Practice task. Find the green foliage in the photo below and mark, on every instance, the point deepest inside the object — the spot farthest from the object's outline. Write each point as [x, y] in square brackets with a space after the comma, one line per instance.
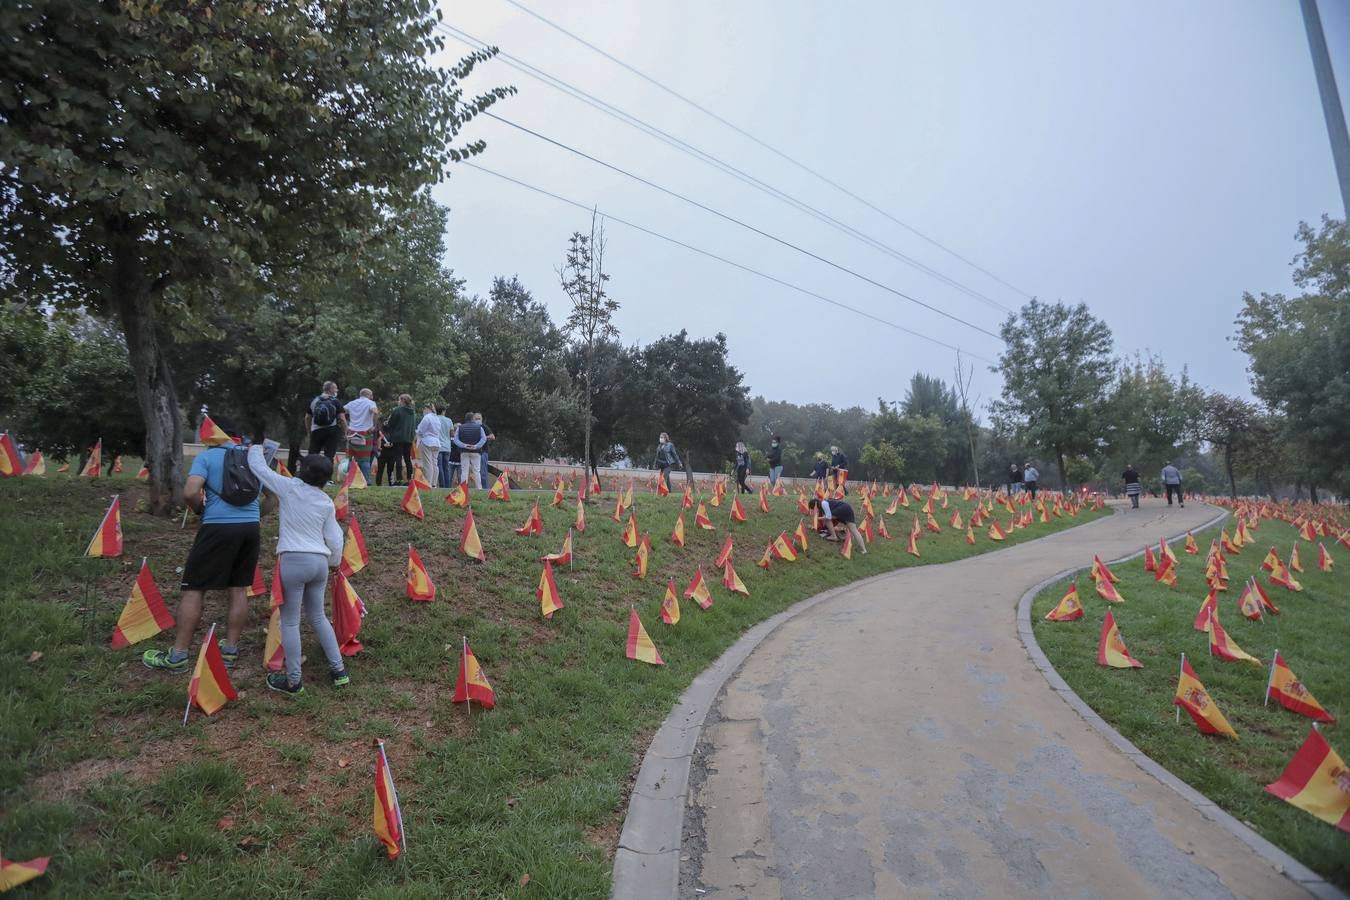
[807, 429]
[1151, 418]
[882, 457]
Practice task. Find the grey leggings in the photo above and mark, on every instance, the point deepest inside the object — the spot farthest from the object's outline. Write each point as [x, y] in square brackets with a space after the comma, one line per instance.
[304, 579]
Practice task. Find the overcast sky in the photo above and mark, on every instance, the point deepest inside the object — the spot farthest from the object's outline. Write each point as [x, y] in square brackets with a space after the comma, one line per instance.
[1151, 159]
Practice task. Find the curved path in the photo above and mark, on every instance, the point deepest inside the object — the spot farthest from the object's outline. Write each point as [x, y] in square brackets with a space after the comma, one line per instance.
[897, 740]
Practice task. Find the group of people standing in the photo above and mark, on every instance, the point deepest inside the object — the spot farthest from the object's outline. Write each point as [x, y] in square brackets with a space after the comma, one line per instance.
[381, 447]
[1025, 477]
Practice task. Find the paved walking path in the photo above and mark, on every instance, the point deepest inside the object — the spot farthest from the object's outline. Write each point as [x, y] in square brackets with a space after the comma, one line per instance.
[897, 741]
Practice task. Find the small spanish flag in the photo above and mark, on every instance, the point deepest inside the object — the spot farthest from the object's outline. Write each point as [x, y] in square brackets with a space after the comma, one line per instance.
[701, 517]
[670, 605]
[211, 434]
[970, 535]
[38, 466]
[1191, 546]
[274, 654]
[732, 582]
[1295, 562]
[419, 480]
[418, 585]
[342, 504]
[846, 551]
[1224, 647]
[644, 552]
[640, 646]
[1068, 608]
[800, 535]
[469, 544]
[1325, 563]
[412, 502]
[13, 874]
[677, 536]
[387, 818]
[145, 614]
[1107, 591]
[558, 495]
[1192, 697]
[550, 601]
[354, 555]
[1111, 649]
[472, 685]
[10, 464]
[913, 545]
[534, 524]
[782, 548]
[356, 479]
[661, 489]
[1208, 609]
[1315, 782]
[724, 555]
[1100, 572]
[698, 589]
[210, 687]
[617, 515]
[630, 532]
[94, 464]
[996, 533]
[1150, 564]
[501, 489]
[1263, 597]
[866, 530]
[1249, 604]
[565, 554]
[348, 611]
[580, 524]
[1285, 687]
[737, 511]
[258, 587]
[687, 502]
[459, 495]
[956, 520]
[107, 540]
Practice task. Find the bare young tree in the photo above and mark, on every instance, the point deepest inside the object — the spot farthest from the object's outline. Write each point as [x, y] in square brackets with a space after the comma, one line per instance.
[583, 279]
[963, 380]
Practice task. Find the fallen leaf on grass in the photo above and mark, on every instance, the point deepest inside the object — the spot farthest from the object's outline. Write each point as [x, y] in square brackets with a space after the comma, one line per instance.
[525, 879]
[343, 762]
[35, 656]
[182, 857]
[225, 824]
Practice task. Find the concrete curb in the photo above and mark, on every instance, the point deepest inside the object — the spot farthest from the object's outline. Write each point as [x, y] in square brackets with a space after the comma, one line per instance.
[1282, 862]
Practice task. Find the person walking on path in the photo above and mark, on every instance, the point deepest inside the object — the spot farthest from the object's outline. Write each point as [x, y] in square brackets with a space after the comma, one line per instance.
[429, 443]
[443, 474]
[775, 460]
[470, 438]
[224, 553]
[361, 414]
[667, 458]
[1014, 478]
[1132, 487]
[402, 428]
[483, 454]
[836, 514]
[742, 467]
[309, 544]
[1171, 480]
[1031, 476]
[325, 421]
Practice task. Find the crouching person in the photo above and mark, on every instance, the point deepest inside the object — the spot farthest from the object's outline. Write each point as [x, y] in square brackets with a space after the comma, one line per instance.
[837, 514]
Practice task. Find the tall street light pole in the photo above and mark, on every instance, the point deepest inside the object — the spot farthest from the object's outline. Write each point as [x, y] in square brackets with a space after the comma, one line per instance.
[1331, 100]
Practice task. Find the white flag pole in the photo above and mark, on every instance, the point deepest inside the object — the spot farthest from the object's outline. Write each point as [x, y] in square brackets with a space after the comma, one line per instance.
[464, 664]
[1271, 680]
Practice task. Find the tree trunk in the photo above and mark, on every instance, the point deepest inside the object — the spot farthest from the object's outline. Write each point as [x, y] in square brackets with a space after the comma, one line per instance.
[590, 360]
[1312, 492]
[1063, 475]
[154, 382]
[1228, 466]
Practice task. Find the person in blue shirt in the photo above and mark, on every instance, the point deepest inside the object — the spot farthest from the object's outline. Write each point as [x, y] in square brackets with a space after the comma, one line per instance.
[223, 557]
[742, 467]
[819, 470]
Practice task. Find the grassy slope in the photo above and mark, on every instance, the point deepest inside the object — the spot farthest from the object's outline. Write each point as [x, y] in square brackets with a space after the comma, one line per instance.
[1156, 625]
[272, 796]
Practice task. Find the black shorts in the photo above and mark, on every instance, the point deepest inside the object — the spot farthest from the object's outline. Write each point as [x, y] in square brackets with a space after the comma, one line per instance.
[222, 556]
[843, 516]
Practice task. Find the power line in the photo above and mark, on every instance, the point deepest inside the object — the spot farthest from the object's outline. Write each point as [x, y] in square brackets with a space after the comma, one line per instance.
[704, 156]
[767, 146]
[730, 218]
[722, 259]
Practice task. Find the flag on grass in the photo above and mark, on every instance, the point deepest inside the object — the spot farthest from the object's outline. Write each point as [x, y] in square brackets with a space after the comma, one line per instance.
[1295, 563]
[459, 495]
[763, 499]
[10, 464]
[724, 555]
[1324, 561]
[1107, 591]
[1285, 687]
[354, 555]
[258, 587]
[677, 536]
[970, 534]
[1223, 646]
[107, 540]
[145, 614]
[342, 504]
[418, 585]
[644, 552]
[1191, 546]
[93, 466]
[580, 523]
[1249, 604]
[846, 551]
[1150, 565]
[412, 502]
[670, 605]
[732, 582]
[500, 490]
[913, 545]
[558, 495]
[688, 500]
[1285, 579]
[1100, 572]
[550, 601]
[698, 589]
[419, 480]
[701, 517]
[1263, 597]
[1167, 571]
[211, 434]
[356, 479]
[13, 874]
[38, 466]
[274, 654]
[565, 554]
[1315, 782]
[387, 818]
[800, 535]
[640, 646]
[1272, 560]
[348, 611]
[1192, 697]
[737, 511]
[782, 548]
[210, 687]
[630, 532]
[1208, 609]
[766, 558]
[469, 544]
[996, 532]
[534, 524]
[1068, 608]
[472, 684]
[1111, 649]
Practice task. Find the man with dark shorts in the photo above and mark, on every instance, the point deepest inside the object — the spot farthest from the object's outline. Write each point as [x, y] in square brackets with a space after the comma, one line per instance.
[222, 557]
[838, 513]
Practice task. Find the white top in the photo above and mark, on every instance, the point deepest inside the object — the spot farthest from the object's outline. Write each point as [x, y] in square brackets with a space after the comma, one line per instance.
[308, 521]
[360, 414]
[429, 431]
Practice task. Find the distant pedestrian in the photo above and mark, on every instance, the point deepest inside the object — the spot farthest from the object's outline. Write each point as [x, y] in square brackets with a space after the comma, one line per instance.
[1171, 480]
[667, 458]
[402, 429]
[483, 454]
[325, 422]
[386, 454]
[775, 460]
[839, 468]
[1031, 476]
[742, 467]
[443, 459]
[470, 438]
[429, 443]
[836, 514]
[1014, 478]
[309, 543]
[361, 415]
[820, 470]
[1132, 486]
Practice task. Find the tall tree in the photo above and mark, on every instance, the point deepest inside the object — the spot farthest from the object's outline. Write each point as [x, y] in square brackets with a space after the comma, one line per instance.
[583, 280]
[1056, 367]
[1227, 426]
[162, 162]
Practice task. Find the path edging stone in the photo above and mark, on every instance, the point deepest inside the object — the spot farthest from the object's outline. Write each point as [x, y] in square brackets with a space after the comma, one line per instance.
[1281, 861]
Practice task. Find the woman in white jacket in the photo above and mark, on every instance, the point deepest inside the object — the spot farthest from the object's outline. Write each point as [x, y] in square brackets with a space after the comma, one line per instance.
[309, 543]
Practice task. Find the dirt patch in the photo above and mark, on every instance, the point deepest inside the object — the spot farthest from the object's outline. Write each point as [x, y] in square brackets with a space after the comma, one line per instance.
[71, 780]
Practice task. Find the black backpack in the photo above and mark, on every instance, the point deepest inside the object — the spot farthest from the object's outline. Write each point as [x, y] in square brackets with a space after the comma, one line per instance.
[324, 411]
[238, 485]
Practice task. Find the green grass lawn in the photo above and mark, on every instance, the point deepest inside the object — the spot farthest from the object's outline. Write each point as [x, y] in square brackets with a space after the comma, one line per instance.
[1156, 624]
[272, 796]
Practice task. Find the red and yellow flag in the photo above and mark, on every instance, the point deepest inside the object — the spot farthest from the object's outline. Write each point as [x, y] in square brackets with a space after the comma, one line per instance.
[274, 654]
[1150, 564]
[145, 614]
[500, 490]
[211, 434]
[688, 501]
[670, 605]
[342, 504]
[1249, 604]
[701, 517]
[630, 532]
[37, 465]
[640, 646]
[580, 523]
[1192, 697]
[550, 601]
[732, 582]
[782, 548]
[698, 589]
[1111, 649]
[107, 540]
[459, 495]
[800, 535]
[1107, 591]
[956, 520]
[970, 534]
[913, 545]
[418, 585]
[472, 685]
[1317, 781]
[1224, 647]
[766, 558]
[469, 544]
[1283, 577]
[866, 529]
[1166, 572]
[1295, 562]
[558, 495]
[763, 499]
[677, 536]
[1285, 687]
[348, 611]
[724, 555]
[737, 511]
[661, 489]
[13, 874]
[565, 554]
[356, 479]
[387, 817]
[846, 551]
[644, 552]
[258, 587]
[1100, 571]
[996, 533]
[354, 555]
[1325, 563]
[1208, 610]
[1068, 608]
[617, 516]
[210, 687]
[93, 466]
[1191, 546]
[10, 464]
[412, 502]
[534, 524]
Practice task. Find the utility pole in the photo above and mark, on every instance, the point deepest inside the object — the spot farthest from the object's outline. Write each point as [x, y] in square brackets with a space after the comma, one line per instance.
[1331, 99]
